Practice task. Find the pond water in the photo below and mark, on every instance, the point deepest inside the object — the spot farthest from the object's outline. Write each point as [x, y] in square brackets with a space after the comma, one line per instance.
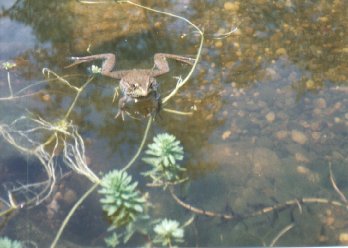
[267, 142]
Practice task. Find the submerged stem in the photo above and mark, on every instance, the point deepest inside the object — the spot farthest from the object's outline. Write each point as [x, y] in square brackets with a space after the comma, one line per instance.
[140, 147]
[79, 91]
[70, 214]
[8, 211]
[177, 112]
[9, 84]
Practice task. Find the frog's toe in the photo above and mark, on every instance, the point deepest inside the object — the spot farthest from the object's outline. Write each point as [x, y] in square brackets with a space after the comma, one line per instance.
[188, 60]
[120, 113]
[75, 61]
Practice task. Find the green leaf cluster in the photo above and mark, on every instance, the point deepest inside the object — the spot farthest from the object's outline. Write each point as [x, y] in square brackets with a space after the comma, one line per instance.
[95, 69]
[8, 243]
[112, 240]
[121, 201]
[168, 232]
[163, 155]
[8, 65]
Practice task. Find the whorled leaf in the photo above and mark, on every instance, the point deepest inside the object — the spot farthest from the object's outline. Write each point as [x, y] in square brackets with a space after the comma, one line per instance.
[168, 232]
[8, 243]
[163, 155]
[121, 201]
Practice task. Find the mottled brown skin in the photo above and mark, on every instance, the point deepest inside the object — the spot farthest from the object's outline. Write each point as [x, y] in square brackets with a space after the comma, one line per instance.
[134, 83]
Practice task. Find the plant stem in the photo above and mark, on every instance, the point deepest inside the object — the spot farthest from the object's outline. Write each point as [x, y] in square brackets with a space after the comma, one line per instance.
[282, 232]
[79, 91]
[8, 211]
[9, 84]
[177, 112]
[140, 147]
[70, 214]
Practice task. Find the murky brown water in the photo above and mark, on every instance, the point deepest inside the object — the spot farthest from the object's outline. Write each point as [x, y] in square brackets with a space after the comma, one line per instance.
[271, 113]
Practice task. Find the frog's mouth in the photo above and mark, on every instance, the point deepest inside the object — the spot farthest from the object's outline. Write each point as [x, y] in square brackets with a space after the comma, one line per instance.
[139, 92]
[152, 96]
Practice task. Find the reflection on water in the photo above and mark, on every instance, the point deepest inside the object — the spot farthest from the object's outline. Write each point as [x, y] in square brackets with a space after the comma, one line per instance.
[271, 112]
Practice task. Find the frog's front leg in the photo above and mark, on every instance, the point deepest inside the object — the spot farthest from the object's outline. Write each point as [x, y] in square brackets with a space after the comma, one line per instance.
[161, 63]
[109, 61]
[121, 106]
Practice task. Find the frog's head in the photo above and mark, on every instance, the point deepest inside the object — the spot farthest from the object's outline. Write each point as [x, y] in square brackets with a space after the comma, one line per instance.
[139, 86]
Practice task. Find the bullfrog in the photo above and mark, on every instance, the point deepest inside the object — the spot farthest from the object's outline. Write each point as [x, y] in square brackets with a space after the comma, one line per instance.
[137, 83]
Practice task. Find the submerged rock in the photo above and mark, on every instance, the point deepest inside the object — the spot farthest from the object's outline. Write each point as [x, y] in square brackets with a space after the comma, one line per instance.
[265, 161]
[299, 137]
[270, 117]
[343, 238]
[316, 136]
[282, 134]
[320, 103]
[231, 6]
[300, 157]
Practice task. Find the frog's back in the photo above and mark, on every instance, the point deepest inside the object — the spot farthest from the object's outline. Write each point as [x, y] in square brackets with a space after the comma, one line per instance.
[137, 76]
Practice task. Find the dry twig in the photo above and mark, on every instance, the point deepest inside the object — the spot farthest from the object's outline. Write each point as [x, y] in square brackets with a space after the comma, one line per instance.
[265, 210]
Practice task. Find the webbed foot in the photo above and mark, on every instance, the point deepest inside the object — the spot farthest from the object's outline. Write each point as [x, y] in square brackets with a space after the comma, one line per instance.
[120, 113]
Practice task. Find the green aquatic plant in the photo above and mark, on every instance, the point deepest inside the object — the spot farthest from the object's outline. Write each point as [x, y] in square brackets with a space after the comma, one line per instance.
[121, 201]
[168, 232]
[112, 240]
[163, 155]
[95, 69]
[8, 65]
[8, 243]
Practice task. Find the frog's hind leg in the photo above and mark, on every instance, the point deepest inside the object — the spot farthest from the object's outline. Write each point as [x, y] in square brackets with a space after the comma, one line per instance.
[108, 63]
[183, 59]
[161, 62]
